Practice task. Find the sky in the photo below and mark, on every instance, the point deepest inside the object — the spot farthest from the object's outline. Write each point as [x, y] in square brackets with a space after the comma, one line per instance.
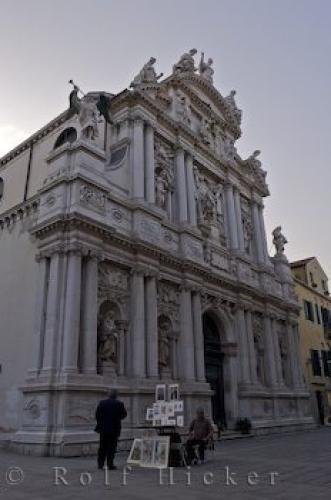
[275, 53]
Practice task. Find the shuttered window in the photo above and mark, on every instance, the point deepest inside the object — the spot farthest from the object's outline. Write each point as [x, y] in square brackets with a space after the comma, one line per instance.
[316, 363]
[308, 308]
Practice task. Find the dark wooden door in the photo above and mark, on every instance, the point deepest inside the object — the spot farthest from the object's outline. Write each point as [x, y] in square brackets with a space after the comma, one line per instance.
[214, 369]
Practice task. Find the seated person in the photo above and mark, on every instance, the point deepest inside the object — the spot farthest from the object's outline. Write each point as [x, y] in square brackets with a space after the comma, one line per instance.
[201, 431]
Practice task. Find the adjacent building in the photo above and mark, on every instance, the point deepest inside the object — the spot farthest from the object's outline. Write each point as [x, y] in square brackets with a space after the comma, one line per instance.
[133, 251]
[311, 285]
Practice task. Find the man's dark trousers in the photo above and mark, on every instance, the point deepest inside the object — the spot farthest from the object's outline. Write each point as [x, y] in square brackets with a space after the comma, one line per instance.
[190, 452]
[107, 449]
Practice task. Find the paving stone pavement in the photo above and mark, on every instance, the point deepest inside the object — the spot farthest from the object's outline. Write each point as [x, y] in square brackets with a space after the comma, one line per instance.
[302, 461]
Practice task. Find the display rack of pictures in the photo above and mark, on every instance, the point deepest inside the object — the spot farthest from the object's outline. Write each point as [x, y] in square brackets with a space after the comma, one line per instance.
[150, 452]
[168, 409]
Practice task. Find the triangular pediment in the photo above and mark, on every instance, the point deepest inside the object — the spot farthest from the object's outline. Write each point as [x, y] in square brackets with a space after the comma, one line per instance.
[206, 100]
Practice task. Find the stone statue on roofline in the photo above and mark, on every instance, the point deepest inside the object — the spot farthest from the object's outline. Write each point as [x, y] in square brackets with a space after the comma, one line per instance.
[147, 75]
[279, 241]
[185, 63]
[89, 108]
[231, 103]
[205, 68]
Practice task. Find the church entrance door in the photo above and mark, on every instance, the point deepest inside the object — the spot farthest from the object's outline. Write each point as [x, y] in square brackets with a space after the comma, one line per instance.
[214, 368]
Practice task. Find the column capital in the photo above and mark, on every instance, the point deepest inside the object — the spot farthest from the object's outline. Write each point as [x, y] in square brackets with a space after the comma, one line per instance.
[138, 120]
[59, 248]
[178, 149]
[144, 270]
[228, 184]
[150, 124]
[95, 254]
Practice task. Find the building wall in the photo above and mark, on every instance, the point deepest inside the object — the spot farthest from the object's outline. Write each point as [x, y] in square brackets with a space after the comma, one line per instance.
[169, 224]
[313, 335]
[17, 297]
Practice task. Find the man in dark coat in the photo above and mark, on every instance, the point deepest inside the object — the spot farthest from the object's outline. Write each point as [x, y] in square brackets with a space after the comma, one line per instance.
[109, 414]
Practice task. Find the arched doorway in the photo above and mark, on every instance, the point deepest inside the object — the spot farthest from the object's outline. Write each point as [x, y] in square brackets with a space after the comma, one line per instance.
[214, 368]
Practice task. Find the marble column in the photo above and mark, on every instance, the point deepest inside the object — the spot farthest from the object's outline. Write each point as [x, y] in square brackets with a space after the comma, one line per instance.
[237, 206]
[191, 199]
[51, 343]
[88, 345]
[270, 352]
[40, 312]
[72, 312]
[138, 170]
[138, 355]
[181, 191]
[243, 346]
[231, 216]
[122, 327]
[186, 340]
[152, 328]
[198, 338]
[264, 237]
[251, 347]
[257, 234]
[149, 161]
[278, 359]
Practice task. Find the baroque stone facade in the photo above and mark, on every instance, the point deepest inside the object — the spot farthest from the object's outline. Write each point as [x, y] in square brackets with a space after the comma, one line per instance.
[153, 265]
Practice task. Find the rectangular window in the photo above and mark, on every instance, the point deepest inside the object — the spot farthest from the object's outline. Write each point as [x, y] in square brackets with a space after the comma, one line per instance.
[312, 281]
[308, 308]
[316, 363]
[329, 363]
[325, 363]
[326, 318]
[317, 313]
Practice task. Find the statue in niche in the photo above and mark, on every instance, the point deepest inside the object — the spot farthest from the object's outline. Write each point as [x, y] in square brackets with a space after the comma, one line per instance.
[206, 202]
[205, 68]
[163, 178]
[165, 330]
[205, 131]
[279, 240]
[182, 108]
[147, 74]
[283, 355]
[161, 189]
[108, 338]
[248, 233]
[218, 193]
[233, 106]
[228, 148]
[259, 353]
[185, 63]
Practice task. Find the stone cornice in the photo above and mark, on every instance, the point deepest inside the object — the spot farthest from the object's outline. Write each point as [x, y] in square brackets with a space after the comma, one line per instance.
[179, 130]
[139, 247]
[19, 212]
[213, 94]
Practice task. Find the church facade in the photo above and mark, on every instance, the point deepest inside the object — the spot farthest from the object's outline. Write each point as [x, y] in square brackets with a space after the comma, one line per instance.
[133, 252]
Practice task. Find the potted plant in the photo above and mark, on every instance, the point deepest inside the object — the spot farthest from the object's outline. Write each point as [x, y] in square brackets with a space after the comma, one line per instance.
[244, 425]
